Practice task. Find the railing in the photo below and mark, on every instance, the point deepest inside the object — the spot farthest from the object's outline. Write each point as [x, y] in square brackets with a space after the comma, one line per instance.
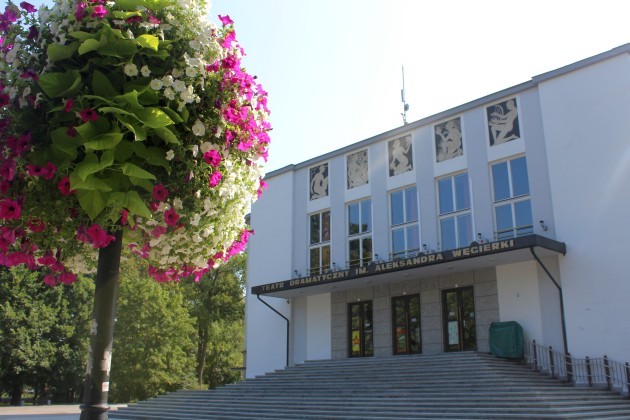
[592, 372]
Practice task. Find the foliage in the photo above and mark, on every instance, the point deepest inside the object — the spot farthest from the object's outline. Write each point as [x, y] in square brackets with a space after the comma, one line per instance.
[43, 337]
[134, 115]
[217, 304]
[154, 340]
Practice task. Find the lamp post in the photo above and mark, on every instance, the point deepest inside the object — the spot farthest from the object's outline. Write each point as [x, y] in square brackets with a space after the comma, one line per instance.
[96, 386]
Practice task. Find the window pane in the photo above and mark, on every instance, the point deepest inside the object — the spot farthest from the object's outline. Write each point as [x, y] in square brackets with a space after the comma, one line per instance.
[446, 195]
[326, 226]
[413, 238]
[462, 197]
[314, 260]
[354, 252]
[398, 216]
[448, 234]
[520, 183]
[315, 229]
[464, 230]
[398, 241]
[367, 250]
[523, 215]
[366, 216]
[326, 257]
[353, 219]
[504, 220]
[411, 204]
[501, 181]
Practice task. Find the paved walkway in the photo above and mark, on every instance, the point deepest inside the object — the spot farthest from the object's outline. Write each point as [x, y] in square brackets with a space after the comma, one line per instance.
[41, 412]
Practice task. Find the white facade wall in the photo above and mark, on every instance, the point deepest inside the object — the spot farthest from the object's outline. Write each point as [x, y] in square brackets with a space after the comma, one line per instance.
[586, 118]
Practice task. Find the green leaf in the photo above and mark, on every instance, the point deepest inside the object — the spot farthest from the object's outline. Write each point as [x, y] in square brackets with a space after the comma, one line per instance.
[93, 129]
[154, 117]
[89, 45]
[58, 52]
[89, 166]
[123, 151]
[133, 126]
[148, 97]
[115, 110]
[148, 41]
[167, 135]
[56, 85]
[104, 141]
[102, 86]
[118, 199]
[129, 98]
[152, 5]
[107, 158]
[64, 143]
[113, 46]
[173, 114]
[117, 14]
[161, 54]
[142, 183]
[93, 202]
[91, 183]
[82, 36]
[130, 169]
[136, 205]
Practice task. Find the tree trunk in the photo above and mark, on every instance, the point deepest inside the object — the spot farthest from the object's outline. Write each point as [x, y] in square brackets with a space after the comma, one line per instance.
[202, 350]
[96, 387]
[16, 394]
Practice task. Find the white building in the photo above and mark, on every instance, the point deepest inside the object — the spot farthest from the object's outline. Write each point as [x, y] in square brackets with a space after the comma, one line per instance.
[417, 239]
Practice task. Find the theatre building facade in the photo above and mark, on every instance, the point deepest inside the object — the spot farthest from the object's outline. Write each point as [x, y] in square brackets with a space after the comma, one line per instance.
[512, 207]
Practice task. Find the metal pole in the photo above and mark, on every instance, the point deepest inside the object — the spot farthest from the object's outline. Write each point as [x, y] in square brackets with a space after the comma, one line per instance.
[96, 387]
[285, 318]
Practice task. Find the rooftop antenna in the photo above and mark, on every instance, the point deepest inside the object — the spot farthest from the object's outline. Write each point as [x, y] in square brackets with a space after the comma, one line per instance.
[402, 97]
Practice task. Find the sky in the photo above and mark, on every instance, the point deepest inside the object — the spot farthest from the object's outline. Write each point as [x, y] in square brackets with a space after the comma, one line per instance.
[333, 68]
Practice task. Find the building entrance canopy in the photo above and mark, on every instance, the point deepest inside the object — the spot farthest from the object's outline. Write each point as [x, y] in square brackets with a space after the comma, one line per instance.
[477, 255]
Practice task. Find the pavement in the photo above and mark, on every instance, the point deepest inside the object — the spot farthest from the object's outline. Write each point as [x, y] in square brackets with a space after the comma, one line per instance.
[45, 412]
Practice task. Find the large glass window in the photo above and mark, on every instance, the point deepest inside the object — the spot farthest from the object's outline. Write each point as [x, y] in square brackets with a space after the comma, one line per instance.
[455, 215]
[359, 233]
[512, 205]
[405, 235]
[319, 250]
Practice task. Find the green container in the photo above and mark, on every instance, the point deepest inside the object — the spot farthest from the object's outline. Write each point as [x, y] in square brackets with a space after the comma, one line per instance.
[506, 339]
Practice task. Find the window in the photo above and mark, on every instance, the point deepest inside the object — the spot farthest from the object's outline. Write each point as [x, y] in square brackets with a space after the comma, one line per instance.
[319, 258]
[403, 205]
[512, 205]
[360, 233]
[455, 216]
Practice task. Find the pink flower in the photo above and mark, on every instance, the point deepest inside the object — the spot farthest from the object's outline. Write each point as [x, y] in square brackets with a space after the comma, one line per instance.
[123, 217]
[99, 237]
[29, 74]
[10, 209]
[36, 225]
[80, 14]
[88, 114]
[212, 157]
[4, 99]
[99, 12]
[215, 178]
[158, 231]
[160, 193]
[34, 170]
[28, 7]
[64, 186]
[32, 32]
[244, 146]
[49, 280]
[49, 171]
[171, 217]
[225, 20]
[69, 105]
[134, 19]
[71, 132]
[67, 278]
[48, 259]
[7, 170]
[154, 20]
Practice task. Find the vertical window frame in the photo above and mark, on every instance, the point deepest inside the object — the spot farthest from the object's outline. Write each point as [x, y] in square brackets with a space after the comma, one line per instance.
[459, 214]
[361, 237]
[408, 223]
[512, 200]
[321, 245]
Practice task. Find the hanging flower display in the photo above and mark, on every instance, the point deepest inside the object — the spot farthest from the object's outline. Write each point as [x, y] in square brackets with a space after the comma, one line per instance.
[127, 114]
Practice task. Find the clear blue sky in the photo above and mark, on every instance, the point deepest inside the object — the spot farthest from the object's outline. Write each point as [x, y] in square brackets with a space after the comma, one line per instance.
[333, 67]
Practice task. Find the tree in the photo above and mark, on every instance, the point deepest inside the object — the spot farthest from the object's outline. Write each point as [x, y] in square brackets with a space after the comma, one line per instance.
[217, 304]
[42, 333]
[154, 340]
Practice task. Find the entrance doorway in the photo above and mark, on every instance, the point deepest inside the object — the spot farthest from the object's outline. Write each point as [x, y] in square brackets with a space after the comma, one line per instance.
[458, 315]
[406, 324]
[361, 329]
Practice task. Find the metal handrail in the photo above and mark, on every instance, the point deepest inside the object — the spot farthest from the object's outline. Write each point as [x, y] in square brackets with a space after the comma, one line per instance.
[592, 372]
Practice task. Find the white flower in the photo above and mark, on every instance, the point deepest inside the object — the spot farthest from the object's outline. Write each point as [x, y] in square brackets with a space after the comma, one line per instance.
[156, 84]
[195, 150]
[145, 71]
[179, 85]
[205, 146]
[194, 44]
[191, 71]
[177, 204]
[198, 128]
[168, 92]
[177, 73]
[170, 155]
[167, 80]
[130, 70]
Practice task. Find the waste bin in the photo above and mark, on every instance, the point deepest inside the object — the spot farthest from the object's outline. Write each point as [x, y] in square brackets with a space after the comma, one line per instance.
[506, 340]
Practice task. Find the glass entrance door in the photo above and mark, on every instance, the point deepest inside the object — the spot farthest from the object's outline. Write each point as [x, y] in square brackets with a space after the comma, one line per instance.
[458, 308]
[406, 324]
[361, 334]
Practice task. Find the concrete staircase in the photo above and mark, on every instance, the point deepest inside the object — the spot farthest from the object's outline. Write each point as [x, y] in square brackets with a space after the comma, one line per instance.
[445, 386]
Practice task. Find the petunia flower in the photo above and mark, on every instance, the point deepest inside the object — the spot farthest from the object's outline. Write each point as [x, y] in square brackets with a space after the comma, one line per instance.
[99, 12]
[68, 104]
[64, 186]
[225, 20]
[160, 193]
[215, 178]
[171, 217]
[10, 210]
[28, 7]
[49, 280]
[80, 13]
[88, 114]
[212, 158]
